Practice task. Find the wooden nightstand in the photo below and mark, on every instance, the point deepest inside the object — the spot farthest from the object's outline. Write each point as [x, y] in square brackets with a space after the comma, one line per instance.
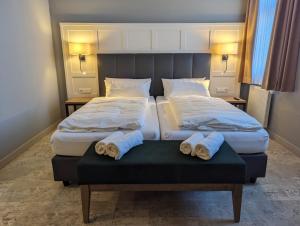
[236, 101]
[76, 101]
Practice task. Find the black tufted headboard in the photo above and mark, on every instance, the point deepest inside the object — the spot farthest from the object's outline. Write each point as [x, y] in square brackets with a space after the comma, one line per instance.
[154, 66]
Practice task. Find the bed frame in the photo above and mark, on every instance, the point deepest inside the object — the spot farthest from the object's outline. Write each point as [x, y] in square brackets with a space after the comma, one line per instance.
[155, 66]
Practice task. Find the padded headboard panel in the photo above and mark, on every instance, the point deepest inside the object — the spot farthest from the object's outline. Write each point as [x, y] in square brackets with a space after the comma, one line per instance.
[154, 66]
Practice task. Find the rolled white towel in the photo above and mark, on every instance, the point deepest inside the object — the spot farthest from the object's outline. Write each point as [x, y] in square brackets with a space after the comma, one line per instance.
[121, 145]
[101, 146]
[187, 146]
[209, 146]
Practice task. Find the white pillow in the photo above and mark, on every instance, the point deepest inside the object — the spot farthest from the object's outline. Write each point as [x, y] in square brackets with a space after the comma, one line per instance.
[185, 87]
[168, 83]
[123, 87]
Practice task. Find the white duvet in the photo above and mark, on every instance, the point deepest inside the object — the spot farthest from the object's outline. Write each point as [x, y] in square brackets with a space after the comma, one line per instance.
[209, 113]
[107, 114]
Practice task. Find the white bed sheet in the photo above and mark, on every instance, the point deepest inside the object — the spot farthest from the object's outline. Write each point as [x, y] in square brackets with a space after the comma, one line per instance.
[75, 144]
[241, 142]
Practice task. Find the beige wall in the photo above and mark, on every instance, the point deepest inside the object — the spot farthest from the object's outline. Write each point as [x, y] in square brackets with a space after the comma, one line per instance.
[285, 115]
[28, 80]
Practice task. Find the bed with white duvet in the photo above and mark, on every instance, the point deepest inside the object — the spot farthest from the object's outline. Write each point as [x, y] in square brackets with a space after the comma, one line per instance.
[104, 114]
[179, 122]
[86, 125]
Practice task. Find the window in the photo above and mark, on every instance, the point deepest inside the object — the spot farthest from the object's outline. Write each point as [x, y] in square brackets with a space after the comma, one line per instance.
[265, 18]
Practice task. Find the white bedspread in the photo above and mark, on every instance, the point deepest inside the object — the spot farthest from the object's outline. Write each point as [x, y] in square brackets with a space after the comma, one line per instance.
[107, 114]
[209, 113]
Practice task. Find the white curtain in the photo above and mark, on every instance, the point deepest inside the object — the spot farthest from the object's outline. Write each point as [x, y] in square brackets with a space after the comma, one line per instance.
[265, 18]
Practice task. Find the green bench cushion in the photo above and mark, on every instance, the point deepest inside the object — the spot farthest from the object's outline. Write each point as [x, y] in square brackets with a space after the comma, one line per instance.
[161, 162]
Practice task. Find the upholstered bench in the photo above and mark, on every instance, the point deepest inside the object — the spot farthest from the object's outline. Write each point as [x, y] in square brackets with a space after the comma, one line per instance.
[160, 166]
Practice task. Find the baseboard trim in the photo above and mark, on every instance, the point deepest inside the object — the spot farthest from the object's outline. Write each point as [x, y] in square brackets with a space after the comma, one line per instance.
[12, 155]
[295, 149]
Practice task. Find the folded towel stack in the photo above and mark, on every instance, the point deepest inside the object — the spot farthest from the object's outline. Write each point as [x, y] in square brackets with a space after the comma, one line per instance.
[101, 146]
[118, 144]
[187, 146]
[209, 146]
[202, 147]
[123, 144]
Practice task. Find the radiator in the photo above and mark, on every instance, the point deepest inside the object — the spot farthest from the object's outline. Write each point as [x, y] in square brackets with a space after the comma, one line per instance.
[259, 104]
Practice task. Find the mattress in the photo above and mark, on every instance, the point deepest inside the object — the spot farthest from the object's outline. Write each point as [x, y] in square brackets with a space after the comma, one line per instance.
[75, 144]
[241, 142]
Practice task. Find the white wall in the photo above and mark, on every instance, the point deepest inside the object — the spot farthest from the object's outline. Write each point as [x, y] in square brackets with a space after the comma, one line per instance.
[28, 80]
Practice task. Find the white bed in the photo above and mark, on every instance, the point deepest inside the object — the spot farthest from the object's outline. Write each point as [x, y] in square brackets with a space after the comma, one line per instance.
[241, 142]
[75, 144]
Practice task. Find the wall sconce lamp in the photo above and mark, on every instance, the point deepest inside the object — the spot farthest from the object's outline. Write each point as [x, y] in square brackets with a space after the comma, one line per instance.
[81, 50]
[225, 49]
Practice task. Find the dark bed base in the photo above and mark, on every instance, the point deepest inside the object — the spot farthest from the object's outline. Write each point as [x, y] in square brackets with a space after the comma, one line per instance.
[65, 167]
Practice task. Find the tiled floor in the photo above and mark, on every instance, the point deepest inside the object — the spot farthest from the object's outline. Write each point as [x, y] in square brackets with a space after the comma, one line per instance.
[29, 196]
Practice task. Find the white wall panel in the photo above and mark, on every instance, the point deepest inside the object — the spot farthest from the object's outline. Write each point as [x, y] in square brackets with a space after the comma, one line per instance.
[196, 40]
[151, 38]
[223, 86]
[166, 40]
[80, 33]
[138, 40]
[85, 86]
[89, 66]
[110, 40]
[228, 80]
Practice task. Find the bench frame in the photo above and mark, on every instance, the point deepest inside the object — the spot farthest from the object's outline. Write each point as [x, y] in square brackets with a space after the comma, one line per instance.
[236, 189]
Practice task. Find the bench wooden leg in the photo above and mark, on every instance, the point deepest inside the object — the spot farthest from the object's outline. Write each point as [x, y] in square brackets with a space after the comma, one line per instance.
[85, 200]
[237, 194]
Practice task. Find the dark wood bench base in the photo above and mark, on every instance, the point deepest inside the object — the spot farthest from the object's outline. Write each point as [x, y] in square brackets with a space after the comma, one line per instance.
[236, 189]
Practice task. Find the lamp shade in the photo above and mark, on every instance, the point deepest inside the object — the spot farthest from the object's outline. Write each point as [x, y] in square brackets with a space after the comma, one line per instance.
[80, 48]
[225, 48]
